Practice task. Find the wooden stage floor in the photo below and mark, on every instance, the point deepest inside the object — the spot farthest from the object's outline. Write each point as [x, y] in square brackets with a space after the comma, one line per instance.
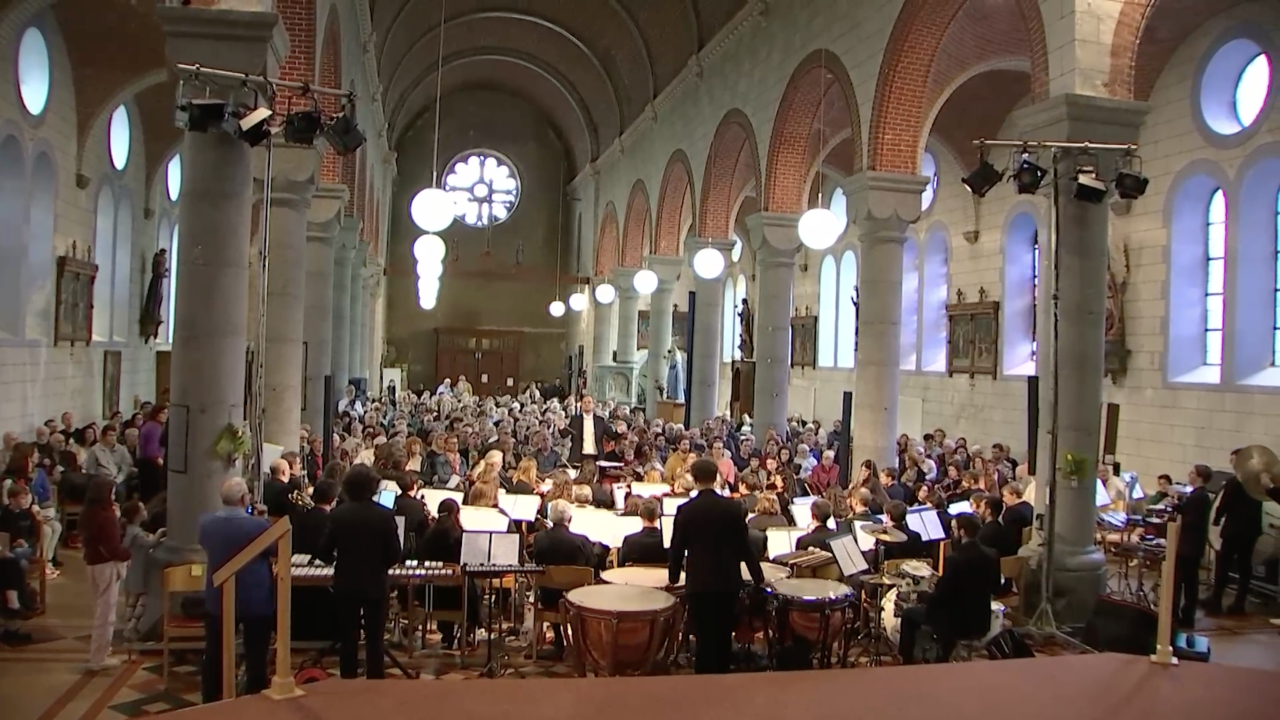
[1070, 687]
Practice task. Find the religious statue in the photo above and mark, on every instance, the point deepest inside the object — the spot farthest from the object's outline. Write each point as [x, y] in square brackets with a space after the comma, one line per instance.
[674, 389]
[1115, 353]
[153, 302]
[748, 325]
[857, 315]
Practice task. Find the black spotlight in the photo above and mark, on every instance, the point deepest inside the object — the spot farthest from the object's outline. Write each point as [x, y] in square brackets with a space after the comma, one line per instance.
[343, 135]
[1130, 184]
[1089, 187]
[1029, 177]
[985, 177]
[250, 124]
[200, 115]
[301, 127]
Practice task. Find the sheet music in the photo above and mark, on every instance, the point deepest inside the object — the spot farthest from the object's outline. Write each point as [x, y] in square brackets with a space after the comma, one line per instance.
[848, 555]
[504, 548]
[454, 481]
[619, 497]
[802, 514]
[1101, 497]
[671, 504]
[475, 548]
[645, 490]
[432, 497]
[668, 527]
[781, 541]
[603, 526]
[522, 508]
[866, 543]
[915, 522]
[481, 519]
[960, 508]
[400, 527]
[933, 526]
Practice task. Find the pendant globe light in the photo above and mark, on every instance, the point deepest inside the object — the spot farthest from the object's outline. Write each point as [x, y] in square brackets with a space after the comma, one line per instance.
[578, 301]
[556, 308]
[645, 282]
[605, 293]
[708, 263]
[433, 209]
[819, 228]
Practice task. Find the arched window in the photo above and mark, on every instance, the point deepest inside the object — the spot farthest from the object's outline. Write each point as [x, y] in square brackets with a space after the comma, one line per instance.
[847, 328]
[1197, 213]
[739, 295]
[120, 278]
[828, 312]
[1018, 306]
[1215, 287]
[171, 293]
[928, 168]
[33, 71]
[13, 217]
[167, 238]
[104, 235]
[910, 303]
[933, 299]
[40, 230]
[484, 186]
[728, 321]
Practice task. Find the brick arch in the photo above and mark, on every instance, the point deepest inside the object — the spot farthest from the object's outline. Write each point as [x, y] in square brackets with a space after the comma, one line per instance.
[1147, 34]
[636, 227]
[933, 43]
[334, 169]
[817, 108]
[607, 242]
[675, 202]
[733, 168]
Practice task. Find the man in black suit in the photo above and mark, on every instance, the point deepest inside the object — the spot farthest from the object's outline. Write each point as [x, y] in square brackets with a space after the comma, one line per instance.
[560, 546]
[913, 547]
[313, 606]
[995, 535]
[1240, 515]
[960, 605]
[279, 486]
[1018, 514]
[819, 535]
[409, 507]
[587, 431]
[712, 531]
[363, 536]
[1194, 509]
[645, 547]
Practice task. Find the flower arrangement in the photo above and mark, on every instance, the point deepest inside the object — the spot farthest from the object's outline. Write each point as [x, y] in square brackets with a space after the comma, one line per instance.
[232, 443]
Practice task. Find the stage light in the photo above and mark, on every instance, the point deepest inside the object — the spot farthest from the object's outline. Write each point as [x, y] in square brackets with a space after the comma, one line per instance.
[556, 308]
[605, 293]
[708, 263]
[1089, 187]
[429, 248]
[343, 135]
[819, 228]
[983, 178]
[1029, 177]
[578, 302]
[200, 115]
[302, 127]
[252, 125]
[1131, 185]
[645, 282]
[432, 210]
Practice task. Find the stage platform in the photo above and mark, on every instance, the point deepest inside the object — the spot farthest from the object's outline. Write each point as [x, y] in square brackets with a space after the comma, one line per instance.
[1071, 687]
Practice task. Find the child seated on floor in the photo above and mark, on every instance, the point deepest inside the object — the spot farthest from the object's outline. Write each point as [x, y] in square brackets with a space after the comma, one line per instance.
[140, 544]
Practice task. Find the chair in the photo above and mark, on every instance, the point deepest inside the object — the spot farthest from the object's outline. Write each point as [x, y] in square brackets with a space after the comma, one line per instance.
[557, 577]
[36, 567]
[1012, 568]
[180, 580]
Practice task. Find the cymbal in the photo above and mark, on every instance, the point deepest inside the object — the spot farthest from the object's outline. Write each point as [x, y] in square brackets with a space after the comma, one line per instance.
[883, 580]
[885, 534]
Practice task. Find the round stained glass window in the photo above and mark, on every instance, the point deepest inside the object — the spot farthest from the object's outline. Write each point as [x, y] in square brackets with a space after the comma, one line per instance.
[485, 187]
[1235, 87]
[173, 178]
[119, 137]
[33, 71]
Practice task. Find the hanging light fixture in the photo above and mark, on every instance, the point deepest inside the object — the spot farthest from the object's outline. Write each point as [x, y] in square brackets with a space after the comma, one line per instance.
[578, 302]
[645, 282]
[605, 293]
[433, 209]
[819, 228]
[429, 248]
[708, 263]
[556, 308]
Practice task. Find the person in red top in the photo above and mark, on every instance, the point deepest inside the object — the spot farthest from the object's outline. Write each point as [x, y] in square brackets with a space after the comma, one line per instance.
[107, 558]
[826, 474]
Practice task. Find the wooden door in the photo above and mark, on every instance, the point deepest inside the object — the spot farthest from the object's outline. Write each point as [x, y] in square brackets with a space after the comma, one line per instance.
[487, 357]
[164, 359]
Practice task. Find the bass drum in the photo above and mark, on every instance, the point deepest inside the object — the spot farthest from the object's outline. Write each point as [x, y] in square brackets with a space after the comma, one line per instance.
[1268, 547]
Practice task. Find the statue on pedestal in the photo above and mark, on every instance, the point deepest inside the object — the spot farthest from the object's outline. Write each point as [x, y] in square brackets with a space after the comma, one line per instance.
[746, 318]
[153, 302]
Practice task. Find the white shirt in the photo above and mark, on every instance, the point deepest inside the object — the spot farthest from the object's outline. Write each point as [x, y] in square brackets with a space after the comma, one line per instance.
[589, 434]
[351, 404]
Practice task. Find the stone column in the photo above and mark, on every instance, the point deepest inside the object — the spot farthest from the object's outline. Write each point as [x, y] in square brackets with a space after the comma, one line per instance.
[358, 325]
[776, 241]
[373, 338]
[343, 257]
[601, 332]
[294, 172]
[661, 304]
[628, 315]
[708, 324]
[317, 324]
[1082, 252]
[882, 205]
[575, 332]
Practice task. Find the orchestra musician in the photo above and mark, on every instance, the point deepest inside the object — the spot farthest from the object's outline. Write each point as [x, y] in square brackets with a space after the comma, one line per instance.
[279, 488]
[1240, 515]
[366, 542]
[1194, 510]
[913, 548]
[645, 547]
[443, 543]
[819, 535]
[586, 431]
[560, 546]
[313, 606]
[712, 531]
[1018, 514]
[959, 607]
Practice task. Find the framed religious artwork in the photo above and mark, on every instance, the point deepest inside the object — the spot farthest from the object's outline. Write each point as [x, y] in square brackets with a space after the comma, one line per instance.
[679, 330]
[73, 311]
[804, 339]
[112, 361]
[973, 336]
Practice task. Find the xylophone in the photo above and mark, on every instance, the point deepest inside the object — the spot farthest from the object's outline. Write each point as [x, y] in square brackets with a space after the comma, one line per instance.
[306, 571]
[492, 569]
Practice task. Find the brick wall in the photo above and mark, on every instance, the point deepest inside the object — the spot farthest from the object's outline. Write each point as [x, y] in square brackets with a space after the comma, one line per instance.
[635, 236]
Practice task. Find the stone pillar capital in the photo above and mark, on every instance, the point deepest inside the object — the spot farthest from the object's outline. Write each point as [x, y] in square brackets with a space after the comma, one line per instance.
[348, 237]
[882, 203]
[779, 231]
[693, 244]
[1081, 118]
[327, 203]
[325, 231]
[667, 268]
[226, 39]
[623, 280]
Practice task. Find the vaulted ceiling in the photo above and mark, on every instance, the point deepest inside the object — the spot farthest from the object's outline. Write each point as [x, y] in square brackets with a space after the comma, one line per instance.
[592, 66]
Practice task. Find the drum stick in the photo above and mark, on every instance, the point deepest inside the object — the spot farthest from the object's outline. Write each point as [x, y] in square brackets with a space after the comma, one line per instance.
[1164, 627]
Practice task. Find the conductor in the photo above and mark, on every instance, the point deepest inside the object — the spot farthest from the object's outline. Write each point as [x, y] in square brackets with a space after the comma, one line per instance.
[711, 530]
[586, 431]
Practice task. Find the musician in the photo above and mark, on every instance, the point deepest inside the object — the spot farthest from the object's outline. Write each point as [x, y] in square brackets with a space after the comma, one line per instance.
[364, 537]
[1018, 514]
[1192, 539]
[819, 535]
[1240, 516]
[586, 432]
[712, 531]
[560, 546]
[892, 488]
[959, 607]
[913, 547]
[768, 513]
[645, 547]
[1164, 491]
[443, 543]
[408, 506]
[311, 526]
[278, 489]
[994, 535]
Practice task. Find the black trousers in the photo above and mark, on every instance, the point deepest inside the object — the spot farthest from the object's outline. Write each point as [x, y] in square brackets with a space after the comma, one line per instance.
[713, 618]
[354, 613]
[913, 619]
[257, 643]
[1236, 554]
[152, 480]
[1186, 589]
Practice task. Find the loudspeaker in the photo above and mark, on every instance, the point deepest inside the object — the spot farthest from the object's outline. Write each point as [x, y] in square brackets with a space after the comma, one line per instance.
[843, 451]
[1121, 627]
[1110, 433]
[1033, 420]
[688, 357]
[326, 432]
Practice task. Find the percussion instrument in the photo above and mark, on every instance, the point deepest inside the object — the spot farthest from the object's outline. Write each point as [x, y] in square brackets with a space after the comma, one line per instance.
[1268, 546]
[503, 569]
[650, 577]
[884, 533]
[308, 572]
[812, 610]
[772, 572]
[998, 611]
[752, 614]
[918, 570]
[621, 629]
[895, 602]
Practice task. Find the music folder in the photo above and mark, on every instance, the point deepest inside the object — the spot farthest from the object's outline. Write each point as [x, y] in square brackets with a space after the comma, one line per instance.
[866, 543]
[782, 540]
[490, 548]
[928, 524]
[960, 508]
[671, 504]
[803, 515]
[848, 555]
[387, 498]
[668, 527]
[521, 508]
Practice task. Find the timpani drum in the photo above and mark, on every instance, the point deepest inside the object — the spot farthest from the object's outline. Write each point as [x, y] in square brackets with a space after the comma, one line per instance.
[772, 572]
[811, 610]
[620, 629]
[650, 577]
[753, 616]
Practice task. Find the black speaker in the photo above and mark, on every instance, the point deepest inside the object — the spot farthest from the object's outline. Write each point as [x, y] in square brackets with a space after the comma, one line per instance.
[1110, 435]
[1121, 627]
[1033, 420]
[843, 451]
[326, 432]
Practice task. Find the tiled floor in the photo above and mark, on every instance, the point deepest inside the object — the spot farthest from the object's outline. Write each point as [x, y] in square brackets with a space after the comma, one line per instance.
[45, 680]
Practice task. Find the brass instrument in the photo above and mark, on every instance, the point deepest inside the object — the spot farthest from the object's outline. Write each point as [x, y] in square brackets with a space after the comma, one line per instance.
[1251, 463]
[301, 499]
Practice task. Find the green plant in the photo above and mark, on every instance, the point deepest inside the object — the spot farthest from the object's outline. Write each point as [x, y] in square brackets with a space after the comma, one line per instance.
[1075, 466]
[232, 443]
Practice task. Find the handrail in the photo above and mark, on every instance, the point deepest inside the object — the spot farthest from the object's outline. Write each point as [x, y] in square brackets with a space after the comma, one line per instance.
[282, 684]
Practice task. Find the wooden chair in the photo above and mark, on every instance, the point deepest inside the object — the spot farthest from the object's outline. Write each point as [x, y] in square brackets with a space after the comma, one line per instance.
[557, 577]
[179, 629]
[36, 567]
[1012, 568]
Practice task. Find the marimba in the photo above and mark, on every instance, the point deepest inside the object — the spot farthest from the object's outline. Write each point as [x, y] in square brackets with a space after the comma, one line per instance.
[306, 571]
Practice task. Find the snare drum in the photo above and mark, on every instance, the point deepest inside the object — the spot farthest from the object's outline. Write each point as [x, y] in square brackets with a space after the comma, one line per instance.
[621, 629]
[811, 610]
[650, 577]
